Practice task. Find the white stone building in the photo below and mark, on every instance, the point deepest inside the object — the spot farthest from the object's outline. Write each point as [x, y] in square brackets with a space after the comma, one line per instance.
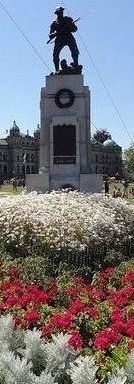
[14, 147]
[106, 158]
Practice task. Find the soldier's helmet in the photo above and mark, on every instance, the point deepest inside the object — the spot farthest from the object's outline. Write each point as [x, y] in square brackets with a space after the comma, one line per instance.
[59, 10]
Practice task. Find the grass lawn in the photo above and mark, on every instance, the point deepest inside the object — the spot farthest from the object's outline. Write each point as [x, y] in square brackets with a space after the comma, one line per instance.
[8, 188]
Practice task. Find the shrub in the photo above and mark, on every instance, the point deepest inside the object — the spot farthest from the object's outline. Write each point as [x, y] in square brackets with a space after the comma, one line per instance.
[97, 317]
[37, 362]
[32, 224]
[87, 232]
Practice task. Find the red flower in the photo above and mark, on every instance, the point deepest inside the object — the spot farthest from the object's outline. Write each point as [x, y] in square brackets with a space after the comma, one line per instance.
[75, 340]
[128, 278]
[72, 291]
[130, 332]
[104, 276]
[116, 315]
[62, 321]
[104, 339]
[26, 299]
[18, 321]
[5, 284]
[122, 297]
[130, 328]
[32, 316]
[131, 344]
[12, 272]
[53, 292]
[76, 307]
[120, 326]
[79, 280]
[42, 297]
[130, 323]
[46, 330]
[109, 271]
[98, 295]
[93, 312]
[11, 301]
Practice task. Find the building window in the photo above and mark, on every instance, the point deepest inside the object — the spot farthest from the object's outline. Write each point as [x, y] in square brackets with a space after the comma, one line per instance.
[64, 144]
[32, 169]
[4, 157]
[28, 169]
[0, 156]
[96, 169]
[32, 158]
[18, 158]
[5, 169]
[96, 158]
[27, 158]
[0, 169]
[18, 169]
[23, 170]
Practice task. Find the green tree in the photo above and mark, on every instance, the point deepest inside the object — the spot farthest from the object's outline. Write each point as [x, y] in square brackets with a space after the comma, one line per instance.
[129, 162]
[101, 136]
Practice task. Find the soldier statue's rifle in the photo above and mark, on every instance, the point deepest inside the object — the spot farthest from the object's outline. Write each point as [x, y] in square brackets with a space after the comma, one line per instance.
[54, 34]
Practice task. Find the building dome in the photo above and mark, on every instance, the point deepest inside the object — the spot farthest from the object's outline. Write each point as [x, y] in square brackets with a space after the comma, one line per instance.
[37, 132]
[15, 129]
[109, 143]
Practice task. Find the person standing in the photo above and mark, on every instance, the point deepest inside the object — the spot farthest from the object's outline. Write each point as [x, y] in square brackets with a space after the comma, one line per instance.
[106, 184]
[62, 30]
[126, 184]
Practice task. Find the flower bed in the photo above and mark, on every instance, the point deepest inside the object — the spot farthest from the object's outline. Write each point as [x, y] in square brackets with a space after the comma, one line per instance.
[26, 358]
[31, 224]
[97, 317]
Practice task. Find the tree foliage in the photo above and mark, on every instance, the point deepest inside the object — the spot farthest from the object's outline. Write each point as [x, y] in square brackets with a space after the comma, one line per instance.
[101, 136]
[129, 162]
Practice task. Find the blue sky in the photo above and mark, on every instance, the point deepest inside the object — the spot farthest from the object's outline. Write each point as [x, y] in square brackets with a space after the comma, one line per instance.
[108, 33]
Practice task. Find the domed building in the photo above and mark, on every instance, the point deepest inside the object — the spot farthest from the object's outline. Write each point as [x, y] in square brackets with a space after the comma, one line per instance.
[106, 158]
[19, 153]
[110, 143]
[14, 130]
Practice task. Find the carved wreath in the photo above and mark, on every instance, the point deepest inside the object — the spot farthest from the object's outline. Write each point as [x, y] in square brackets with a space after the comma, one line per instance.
[69, 93]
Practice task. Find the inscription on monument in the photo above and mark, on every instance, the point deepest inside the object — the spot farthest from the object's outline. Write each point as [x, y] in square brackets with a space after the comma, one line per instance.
[64, 144]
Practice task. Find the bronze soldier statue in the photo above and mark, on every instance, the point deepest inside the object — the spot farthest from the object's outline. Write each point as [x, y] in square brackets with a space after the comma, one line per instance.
[62, 30]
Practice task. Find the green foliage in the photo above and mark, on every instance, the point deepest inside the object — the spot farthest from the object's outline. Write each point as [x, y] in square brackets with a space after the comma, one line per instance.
[101, 136]
[129, 162]
[36, 269]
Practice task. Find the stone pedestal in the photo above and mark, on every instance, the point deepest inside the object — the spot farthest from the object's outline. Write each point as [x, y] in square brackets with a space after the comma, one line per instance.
[39, 183]
[65, 159]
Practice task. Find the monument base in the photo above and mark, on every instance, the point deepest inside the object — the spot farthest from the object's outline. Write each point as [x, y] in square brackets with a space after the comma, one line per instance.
[37, 182]
[41, 183]
[92, 183]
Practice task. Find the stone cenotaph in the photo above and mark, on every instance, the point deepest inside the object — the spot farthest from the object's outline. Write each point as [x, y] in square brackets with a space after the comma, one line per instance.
[65, 156]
